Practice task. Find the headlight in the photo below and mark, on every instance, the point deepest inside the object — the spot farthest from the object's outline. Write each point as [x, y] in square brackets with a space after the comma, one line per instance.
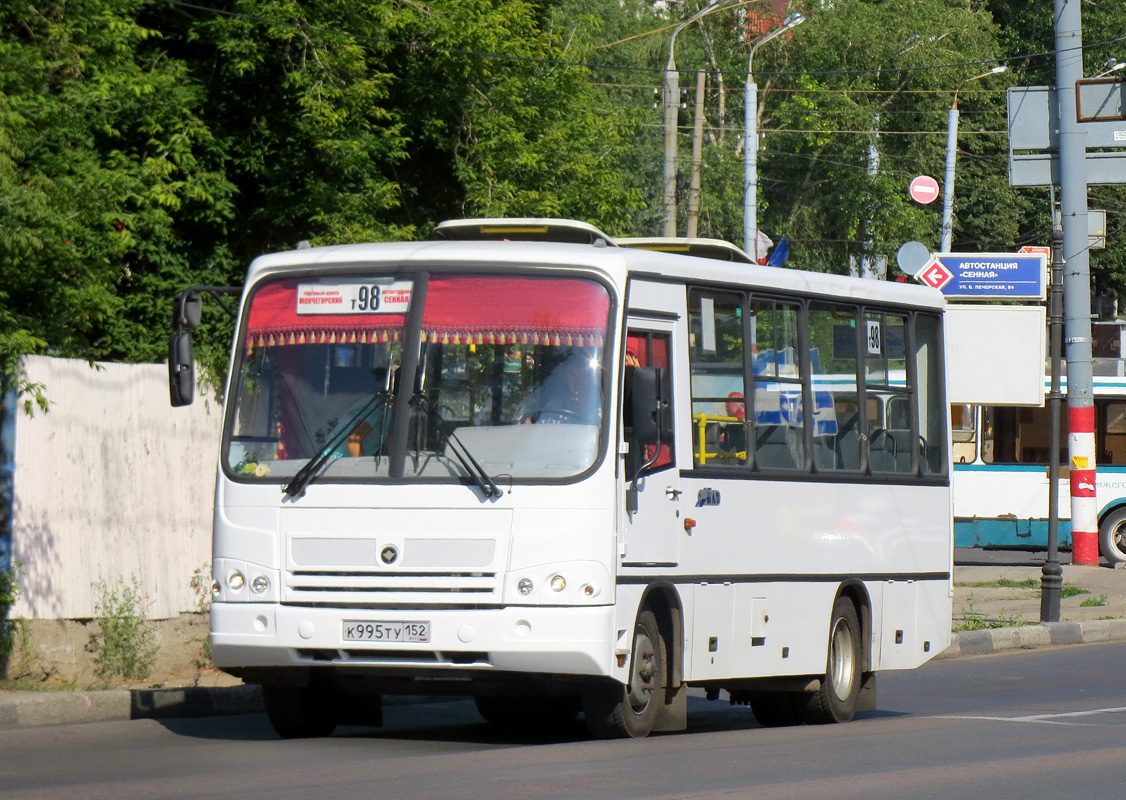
[236, 580]
[558, 583]
[260, 584]
[525, 586]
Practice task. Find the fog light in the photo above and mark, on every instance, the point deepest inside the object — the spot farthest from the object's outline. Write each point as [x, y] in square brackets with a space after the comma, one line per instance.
[558, 583]
[260, 584]
[236, 580]
[525, 586]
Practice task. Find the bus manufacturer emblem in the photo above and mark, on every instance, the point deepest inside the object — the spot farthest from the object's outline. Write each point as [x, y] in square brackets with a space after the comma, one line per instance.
[707, 497]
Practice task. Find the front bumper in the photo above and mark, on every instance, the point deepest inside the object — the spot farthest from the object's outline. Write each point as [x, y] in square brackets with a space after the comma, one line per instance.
[560, 641]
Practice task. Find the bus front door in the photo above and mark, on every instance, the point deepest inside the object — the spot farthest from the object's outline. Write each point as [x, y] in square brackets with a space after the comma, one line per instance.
[653, 530]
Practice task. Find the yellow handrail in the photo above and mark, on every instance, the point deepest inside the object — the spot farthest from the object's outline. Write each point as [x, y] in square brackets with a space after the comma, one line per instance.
[702, 454]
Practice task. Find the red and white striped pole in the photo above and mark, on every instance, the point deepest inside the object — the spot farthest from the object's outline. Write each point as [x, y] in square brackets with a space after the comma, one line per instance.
[1084, 508]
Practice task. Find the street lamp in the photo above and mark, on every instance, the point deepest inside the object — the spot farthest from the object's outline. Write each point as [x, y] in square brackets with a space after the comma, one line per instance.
[672, 89]
[951, 153]
[750, 140]
[1111, 65]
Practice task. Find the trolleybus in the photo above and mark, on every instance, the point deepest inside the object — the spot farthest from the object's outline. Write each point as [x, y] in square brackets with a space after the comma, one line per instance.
[1001, 483]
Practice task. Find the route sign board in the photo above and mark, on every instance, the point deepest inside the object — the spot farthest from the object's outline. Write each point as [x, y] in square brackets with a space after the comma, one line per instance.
[923, 189]
[996, 276]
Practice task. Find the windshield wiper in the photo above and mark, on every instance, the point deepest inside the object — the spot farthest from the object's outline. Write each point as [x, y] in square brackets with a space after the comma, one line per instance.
[485, 483]
[306, 474]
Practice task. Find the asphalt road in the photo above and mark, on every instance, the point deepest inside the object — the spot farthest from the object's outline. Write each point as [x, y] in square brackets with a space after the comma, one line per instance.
[1025, 724]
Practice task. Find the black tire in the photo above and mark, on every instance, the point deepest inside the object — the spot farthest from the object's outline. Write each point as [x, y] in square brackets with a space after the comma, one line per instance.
[836, 700]
[1112, 536]
[299, 712]
[614, 711]
[776, 709]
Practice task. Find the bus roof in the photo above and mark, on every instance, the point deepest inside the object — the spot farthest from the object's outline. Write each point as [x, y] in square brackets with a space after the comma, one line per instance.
[702, 248]
[531, 229]
[615, 263]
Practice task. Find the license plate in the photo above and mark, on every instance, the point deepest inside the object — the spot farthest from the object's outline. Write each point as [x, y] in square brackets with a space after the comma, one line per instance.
[358, 631]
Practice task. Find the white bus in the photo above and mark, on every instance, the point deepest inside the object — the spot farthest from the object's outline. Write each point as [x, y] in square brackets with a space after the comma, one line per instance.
[1001, 472]
[407, 503]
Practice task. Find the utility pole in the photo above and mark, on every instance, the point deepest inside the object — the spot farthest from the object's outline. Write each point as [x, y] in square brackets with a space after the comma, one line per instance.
[697, 156]
[1076, 286]
[1051, 574]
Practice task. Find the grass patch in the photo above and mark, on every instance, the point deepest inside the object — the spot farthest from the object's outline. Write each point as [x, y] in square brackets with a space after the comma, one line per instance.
[1094, 602]
[1067, 590]
[32, 685]
[1006, 583]
[974, 620]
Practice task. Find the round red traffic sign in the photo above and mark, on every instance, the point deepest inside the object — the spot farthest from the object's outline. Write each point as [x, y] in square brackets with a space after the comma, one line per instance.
[924, 189]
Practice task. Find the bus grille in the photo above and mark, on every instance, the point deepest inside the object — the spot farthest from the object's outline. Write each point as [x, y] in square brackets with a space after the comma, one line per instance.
[368, 589]
[350, 571]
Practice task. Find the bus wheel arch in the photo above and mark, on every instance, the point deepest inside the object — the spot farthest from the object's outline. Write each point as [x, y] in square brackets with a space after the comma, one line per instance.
[1112, 535]
[654, 699]
[847, 659]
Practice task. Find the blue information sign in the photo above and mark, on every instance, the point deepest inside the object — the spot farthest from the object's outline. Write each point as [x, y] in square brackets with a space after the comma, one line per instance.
[1008, 276]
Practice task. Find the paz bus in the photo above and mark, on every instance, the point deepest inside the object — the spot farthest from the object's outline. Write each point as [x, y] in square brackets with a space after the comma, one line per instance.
[402, 508]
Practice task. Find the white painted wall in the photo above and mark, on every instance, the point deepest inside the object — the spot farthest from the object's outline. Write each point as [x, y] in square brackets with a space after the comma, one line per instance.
[112, 481]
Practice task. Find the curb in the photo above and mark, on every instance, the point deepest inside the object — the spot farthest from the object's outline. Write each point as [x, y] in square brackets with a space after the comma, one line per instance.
[36, 709]
[1043, 634]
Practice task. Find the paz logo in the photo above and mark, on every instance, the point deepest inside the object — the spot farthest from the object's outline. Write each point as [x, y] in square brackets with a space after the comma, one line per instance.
[707, 497]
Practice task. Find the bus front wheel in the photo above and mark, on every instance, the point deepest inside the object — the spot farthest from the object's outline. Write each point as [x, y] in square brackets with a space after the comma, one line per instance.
[614, 711]
[1112, 536]
[836, 700]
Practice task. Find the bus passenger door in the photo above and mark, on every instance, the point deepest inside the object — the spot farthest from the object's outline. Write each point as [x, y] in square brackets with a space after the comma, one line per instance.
[651, 533]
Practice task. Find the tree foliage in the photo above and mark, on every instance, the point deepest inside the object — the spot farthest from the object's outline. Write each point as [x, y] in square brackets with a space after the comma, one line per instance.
[148, 145]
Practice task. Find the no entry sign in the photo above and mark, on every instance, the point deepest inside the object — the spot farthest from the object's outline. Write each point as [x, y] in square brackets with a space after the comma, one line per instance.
[924, 189]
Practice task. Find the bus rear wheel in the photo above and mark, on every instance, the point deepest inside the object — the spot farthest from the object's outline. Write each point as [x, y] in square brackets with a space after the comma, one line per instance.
[614, 711]
[836, 700]
[1112, 536]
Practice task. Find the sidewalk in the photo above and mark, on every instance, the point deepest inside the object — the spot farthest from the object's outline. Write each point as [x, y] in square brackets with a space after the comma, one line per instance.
[1001, 600]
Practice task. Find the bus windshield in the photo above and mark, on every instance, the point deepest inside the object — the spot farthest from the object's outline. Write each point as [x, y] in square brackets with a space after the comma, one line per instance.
[510, 370]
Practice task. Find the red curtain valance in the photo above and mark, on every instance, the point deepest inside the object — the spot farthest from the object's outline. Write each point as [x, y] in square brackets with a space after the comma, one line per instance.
[459, 310]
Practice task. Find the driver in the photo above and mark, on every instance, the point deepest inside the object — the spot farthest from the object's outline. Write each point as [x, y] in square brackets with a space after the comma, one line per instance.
[570, 394]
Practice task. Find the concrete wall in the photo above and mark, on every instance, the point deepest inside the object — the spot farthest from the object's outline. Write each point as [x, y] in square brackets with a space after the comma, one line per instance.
[112, 481]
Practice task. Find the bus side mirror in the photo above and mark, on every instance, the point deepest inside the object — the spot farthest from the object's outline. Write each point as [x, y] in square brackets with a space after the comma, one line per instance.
[181, 369]
[647, 405]
[187, 310]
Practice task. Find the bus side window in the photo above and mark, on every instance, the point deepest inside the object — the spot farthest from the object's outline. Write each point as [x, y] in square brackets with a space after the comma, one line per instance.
[930, 396]
[719, 408]
[836, 403]
[1114, 436]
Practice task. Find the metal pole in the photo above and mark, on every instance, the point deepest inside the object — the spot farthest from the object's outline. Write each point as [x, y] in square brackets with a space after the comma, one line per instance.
[1051, 578]
[948, 185]
[1077, 286]
[750, 140]
[671, 102]
[750, 167]
[672, 89]
[951, 156]
[697, 156]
